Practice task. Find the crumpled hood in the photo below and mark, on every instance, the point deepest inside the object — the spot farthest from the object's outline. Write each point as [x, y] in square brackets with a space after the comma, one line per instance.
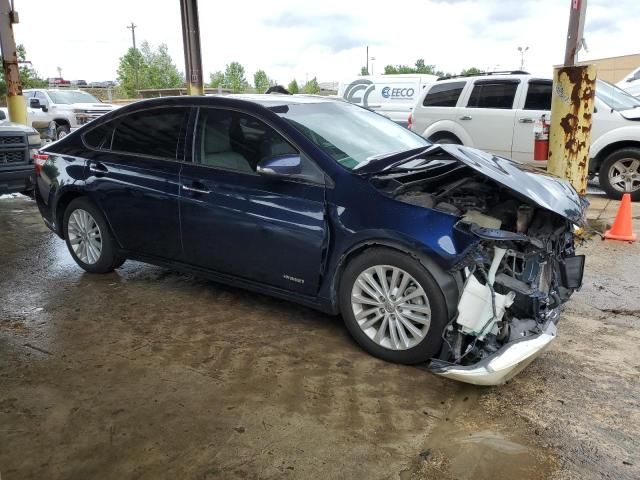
[529, 183]
[543, 189]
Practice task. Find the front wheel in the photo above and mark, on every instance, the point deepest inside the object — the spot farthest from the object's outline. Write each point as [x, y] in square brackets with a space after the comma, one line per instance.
[392, 306]
[88, 238]
[620, 173]
[62, 131]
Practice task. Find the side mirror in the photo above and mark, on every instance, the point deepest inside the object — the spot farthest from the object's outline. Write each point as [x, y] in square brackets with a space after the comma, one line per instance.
[34, 103]
[3, 116]
[280, 166]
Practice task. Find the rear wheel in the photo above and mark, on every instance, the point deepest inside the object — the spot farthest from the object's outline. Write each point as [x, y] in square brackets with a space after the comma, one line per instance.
[620, 173]
[445, 138]
[88, 238]
[392, 306]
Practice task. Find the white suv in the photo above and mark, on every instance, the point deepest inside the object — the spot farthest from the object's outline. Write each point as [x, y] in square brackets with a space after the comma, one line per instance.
[69, 109]
[496, 112]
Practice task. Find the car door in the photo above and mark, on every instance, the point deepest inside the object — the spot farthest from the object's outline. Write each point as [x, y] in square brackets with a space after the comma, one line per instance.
[488, 117]
[537, 103]
[439, 104]
[237, 222]
[133, 176]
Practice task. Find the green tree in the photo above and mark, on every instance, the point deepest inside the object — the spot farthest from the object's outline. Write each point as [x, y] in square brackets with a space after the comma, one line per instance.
[234, 78]
[364, 71]
[311, 86]
[261, 81]
[216, 79]
[160, 71]
[148, 68]
[293, 87]
[420, 67]
[28, 75]
[471, 71]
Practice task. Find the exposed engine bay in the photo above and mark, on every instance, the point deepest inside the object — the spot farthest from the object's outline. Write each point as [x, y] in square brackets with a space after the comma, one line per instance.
[514, 279]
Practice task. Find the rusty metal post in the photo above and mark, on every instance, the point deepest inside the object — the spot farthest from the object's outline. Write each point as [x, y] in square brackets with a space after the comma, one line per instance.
[15, 101]
[570, 131]
[191, 40]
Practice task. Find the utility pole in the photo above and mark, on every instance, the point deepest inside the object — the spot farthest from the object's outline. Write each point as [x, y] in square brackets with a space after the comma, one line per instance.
[367, 59]
[133, 27]
[572, 108]
[191, 43]
[15, 101]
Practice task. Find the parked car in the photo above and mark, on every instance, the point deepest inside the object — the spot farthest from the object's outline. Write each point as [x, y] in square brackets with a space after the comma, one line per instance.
[496, 113]
[428, 251]
[631, 83]
[57, 81]
[79, 83]
[18, 144]
[390, 95]
[70, 109]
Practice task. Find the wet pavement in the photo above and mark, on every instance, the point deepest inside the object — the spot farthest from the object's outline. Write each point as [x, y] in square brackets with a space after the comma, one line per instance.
[146, 373]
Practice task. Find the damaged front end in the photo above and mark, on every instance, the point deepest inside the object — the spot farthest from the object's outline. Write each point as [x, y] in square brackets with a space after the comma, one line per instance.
[521, 269]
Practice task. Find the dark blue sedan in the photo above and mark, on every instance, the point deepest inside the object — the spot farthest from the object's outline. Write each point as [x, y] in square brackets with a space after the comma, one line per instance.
[429, 252]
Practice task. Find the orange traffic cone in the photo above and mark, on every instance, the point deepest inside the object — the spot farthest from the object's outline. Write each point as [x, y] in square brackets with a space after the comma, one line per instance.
[622, 228]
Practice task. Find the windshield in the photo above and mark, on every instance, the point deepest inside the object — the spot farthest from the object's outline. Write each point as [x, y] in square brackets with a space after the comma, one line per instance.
[59, 96]
[349, 134]
[614, 97]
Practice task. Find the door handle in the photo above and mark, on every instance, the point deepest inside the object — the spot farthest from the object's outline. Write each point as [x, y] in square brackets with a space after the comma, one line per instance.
[98, 168]
[195, 190]
[525, 120]
[465, 117]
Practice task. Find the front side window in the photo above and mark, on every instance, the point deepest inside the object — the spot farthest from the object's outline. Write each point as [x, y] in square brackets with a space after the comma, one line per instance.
[69, 97]
[493, 94]
[155, 132]
[235, 141]
[443, 94]
[538, 96]
[349, 134]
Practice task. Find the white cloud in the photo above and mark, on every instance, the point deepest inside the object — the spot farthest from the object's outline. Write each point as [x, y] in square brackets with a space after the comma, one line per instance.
[288, 39]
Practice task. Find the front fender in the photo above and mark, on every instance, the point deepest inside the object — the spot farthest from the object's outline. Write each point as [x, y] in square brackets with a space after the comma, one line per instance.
[628, 134]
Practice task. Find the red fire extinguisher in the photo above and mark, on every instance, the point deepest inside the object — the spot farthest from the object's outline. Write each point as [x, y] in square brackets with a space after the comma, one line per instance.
[541, 139]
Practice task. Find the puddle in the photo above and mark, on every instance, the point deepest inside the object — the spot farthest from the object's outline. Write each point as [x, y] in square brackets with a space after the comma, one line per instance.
[467, 445]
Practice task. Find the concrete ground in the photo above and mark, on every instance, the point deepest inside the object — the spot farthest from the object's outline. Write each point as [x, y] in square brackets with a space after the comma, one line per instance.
[146, 374]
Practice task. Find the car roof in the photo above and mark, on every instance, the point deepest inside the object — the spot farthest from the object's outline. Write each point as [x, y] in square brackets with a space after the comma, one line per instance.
[519, 76]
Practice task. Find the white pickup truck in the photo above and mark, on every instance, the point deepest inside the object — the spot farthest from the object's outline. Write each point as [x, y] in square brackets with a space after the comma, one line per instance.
[69, 109]
[496, 112]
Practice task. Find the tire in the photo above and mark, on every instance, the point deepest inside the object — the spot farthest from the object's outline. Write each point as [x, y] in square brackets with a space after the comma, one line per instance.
[383, 345]
[62, 131]
[612, 167]
[446, 139]
[82, 213]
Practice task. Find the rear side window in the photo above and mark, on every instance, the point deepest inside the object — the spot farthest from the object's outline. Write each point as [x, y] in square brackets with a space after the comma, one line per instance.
[443, 94]
[538, 96]
[154, 132]
[100, 137]
[493, 94]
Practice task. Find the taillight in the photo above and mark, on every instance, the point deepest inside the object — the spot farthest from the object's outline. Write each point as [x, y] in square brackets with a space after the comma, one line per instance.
[410, 121]
[39, 159]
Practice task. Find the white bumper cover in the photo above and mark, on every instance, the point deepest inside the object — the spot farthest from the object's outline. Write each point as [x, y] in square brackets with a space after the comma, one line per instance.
[503, 365]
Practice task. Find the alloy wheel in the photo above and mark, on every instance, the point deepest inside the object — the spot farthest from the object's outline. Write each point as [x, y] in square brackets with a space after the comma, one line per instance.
[85, 237]
[391, 307]
[624, 175]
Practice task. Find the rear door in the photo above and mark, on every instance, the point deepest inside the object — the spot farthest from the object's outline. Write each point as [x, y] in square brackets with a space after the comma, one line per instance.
[133, 176]
[489, 115]
[237, 222]
[438, 104]
[537, 102]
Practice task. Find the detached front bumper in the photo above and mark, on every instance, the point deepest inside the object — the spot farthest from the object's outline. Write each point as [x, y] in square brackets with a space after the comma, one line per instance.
[504, 364]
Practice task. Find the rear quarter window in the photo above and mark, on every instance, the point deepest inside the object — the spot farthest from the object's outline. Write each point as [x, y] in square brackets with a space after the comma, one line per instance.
[538, 96]
[493, 94]
[443, 94]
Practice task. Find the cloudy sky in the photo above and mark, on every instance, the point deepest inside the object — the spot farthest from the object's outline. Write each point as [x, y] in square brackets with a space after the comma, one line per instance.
[295, 39]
